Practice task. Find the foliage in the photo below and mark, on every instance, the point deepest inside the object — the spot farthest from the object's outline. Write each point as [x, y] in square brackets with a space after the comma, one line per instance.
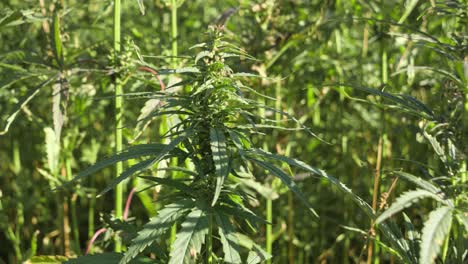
[372, 91]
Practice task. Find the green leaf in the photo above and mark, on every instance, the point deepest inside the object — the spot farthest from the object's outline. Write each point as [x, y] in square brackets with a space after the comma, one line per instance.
[57, 114]
[52, 150]
[177, 184]
[24, 101]
[257, 255]
[299, 164]
[406, 200]
[129, 153]
[463, 219]
[57, 40]
[158, 150]
[426, 185]
[202, 54]
[141, 166]
[48, 260]
[408, 9]
[286, 180]
[436, 228]
[103, 258]
[143, 121]
[141, 5]
[156, 228]
[220, 158]
[106, 258]
[190, 238]
[229, 239]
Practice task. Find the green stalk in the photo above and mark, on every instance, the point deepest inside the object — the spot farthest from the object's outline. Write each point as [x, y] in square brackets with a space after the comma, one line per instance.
[174, 65]
[371, 251]
[118, 122]
[75, 230]
[209, 240]
[269, 202]
[174, 29]
[269, 232]
[92, 203]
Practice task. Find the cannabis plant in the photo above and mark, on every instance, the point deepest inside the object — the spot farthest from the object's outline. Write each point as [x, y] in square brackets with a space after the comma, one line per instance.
[214, 151]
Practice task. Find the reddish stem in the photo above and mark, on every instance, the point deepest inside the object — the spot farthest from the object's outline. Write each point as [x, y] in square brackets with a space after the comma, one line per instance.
[155, 73]
[127, 204]
[91, 242]
[102, 230]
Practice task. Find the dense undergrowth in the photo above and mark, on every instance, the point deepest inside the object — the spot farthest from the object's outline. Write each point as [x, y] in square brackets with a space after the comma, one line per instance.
[185, 131]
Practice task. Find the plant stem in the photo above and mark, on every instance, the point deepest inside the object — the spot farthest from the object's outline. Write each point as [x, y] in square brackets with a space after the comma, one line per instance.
[269, 235]
[75, 229]
[92, 203]
[174, 29]
[209, 240]
[174, 65]
[118, 122]
[378, 166]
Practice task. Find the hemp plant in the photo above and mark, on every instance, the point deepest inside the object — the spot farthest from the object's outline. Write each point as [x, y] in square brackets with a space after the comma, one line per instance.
[215, 153]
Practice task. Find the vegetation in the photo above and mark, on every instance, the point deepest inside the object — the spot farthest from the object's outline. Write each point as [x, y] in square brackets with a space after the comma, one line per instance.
[185, 131]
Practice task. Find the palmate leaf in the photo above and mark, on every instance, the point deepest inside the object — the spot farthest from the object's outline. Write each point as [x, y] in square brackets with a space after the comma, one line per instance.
[434, 232]
[190, 237]
[156, 227]
[406, 200]
[256, 253]
[229, 239]
[177, 184]
[426, 185]
[129, 153]
[157, 150]
[221, 160]
[141, 166]
[286, 180]
[299, 164]
[144, 165]
[104, 258]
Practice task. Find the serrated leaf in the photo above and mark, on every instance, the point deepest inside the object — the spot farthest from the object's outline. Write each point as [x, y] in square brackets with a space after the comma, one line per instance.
[221, 160]
[145, 112]
[57, 114]
[257, 255]
[201, 55]
[288, 181]
[177, 184]
[299, 164]
[106, 258]
[406, 200]
[157, 150]
[229, 239]
[434, 232]
[141, 166]
[144, 165]
[426, 185]
[155, 228]
[190, 237]
[127, 154]
[52, 150]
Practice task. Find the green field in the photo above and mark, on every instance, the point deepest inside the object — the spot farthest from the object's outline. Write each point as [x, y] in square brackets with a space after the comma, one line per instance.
[172, 131]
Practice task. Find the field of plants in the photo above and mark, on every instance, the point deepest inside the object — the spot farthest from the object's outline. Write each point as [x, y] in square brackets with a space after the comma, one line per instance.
[237, 131]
